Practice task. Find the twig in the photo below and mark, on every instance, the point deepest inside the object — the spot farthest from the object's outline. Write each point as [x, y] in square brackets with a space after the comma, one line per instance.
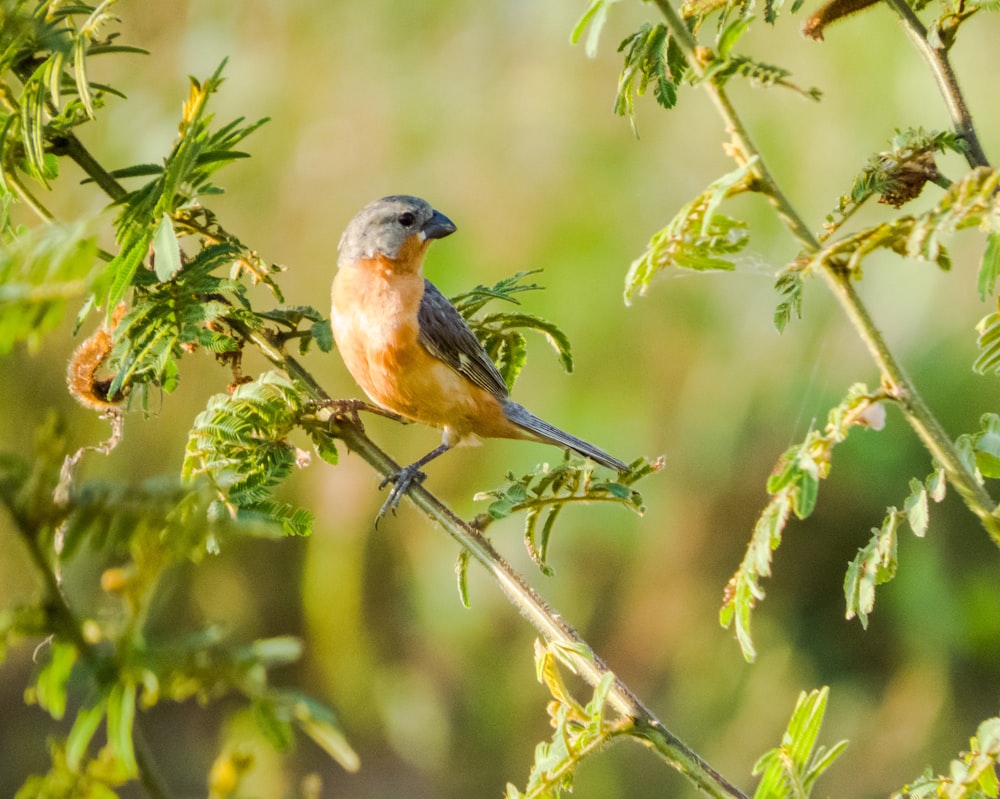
[940, 65]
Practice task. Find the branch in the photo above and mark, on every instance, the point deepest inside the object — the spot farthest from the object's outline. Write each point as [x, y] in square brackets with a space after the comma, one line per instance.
[894, 379]
[939, 64]
[549, 623]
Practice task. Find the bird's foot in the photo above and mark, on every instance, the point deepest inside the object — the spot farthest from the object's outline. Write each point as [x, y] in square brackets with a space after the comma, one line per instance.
[401, 482]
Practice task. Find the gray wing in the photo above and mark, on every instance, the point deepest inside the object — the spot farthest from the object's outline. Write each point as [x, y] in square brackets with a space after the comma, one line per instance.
[448, 338]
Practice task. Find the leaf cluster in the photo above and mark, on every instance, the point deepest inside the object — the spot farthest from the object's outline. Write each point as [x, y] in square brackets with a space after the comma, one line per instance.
[973, 776]
[239, 443]
[41, 271]
[147, 217]
[899, 174]
[579, 730]
[875, 563]
[103, 665]
[545, 492]
[697, 238]
[45, 50]
[501, 333]
[794, 489]
[969, 202]
[790, 770]
[652, 56]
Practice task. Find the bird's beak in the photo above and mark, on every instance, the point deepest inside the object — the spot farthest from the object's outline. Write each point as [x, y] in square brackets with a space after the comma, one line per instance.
[438, 226]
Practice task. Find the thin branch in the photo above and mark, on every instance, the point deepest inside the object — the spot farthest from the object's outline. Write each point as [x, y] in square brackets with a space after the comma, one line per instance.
[549, 623]
[894, 378]
[69, 145]
[940, 66]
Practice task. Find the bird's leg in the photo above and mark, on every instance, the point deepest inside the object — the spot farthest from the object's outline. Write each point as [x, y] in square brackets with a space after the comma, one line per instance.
[404, 478]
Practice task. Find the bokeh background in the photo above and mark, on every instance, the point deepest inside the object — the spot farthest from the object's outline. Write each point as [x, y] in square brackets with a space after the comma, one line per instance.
[490, 113]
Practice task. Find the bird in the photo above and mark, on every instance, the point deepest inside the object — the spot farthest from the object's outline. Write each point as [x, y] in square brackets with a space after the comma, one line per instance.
[411, 351]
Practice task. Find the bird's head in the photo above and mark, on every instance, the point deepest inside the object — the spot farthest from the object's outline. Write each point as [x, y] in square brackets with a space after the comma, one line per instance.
[393, 228]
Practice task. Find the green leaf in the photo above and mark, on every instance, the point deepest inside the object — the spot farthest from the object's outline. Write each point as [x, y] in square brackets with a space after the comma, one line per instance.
[121, 717]
[989, 267]
[731, 34]
[594, 17]
[88, 719]
[790, 770]
[648, 58]
[322, 335]
[916, 508]
[874, 565]
[988, 359]
[462, 575]
[789, 286]
[50, 687]
[276, 729]
[120, 271]
[987, 446]
[320, 724]
[166, 250]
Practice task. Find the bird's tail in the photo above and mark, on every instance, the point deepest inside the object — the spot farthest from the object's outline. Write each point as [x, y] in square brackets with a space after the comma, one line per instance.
[524, 418]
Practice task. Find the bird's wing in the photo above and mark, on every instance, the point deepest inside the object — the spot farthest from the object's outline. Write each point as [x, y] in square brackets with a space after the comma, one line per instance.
[448, 338]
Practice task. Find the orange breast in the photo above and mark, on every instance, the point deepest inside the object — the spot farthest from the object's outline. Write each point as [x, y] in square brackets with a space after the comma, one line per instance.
[374, 320]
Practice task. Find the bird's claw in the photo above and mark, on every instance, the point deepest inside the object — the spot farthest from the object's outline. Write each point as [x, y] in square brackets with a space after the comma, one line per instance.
[401, 482]
[346, 409]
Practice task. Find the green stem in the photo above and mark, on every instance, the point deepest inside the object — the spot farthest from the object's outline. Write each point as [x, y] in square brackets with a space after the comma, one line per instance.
[894, 379]
[549, 623]
[940, 66]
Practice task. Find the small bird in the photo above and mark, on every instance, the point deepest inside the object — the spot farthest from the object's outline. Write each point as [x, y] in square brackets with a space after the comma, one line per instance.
[409, 348]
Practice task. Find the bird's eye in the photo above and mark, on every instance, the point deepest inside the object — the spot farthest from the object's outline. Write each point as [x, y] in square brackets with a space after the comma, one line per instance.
[406, 219]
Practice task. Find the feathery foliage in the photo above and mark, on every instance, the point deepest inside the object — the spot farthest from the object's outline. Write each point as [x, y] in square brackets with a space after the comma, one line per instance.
[794, 489]
[578, 730]
[972, 776]
[790, 770]
[698, 238]
[501, 333]
[543, 493]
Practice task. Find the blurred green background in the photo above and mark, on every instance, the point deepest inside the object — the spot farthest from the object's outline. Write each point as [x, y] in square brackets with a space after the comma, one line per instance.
[488, 112]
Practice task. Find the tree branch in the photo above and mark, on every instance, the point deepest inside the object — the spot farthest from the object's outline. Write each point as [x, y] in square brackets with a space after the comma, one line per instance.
[940, 66]
[548, 622]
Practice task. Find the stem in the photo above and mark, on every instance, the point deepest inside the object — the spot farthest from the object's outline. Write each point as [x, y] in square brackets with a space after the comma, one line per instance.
[71, 146]
[550, 625]
[944, 75]
[547, 621]
[894, 379]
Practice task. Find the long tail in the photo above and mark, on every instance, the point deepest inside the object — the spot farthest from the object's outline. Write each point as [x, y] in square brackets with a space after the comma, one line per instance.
[522, 417]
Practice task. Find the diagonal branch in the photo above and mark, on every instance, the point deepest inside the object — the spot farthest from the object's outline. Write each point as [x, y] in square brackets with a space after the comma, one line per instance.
[940, 66]
[546, 620]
